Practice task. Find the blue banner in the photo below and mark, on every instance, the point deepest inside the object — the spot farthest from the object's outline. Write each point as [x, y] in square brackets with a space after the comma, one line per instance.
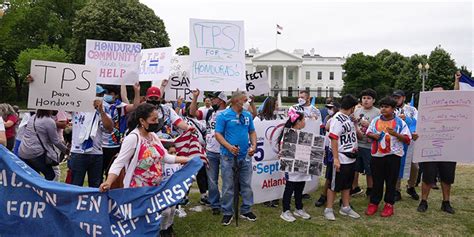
[33, 206]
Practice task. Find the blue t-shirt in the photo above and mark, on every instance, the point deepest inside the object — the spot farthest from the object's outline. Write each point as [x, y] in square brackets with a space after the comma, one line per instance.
[235, 130]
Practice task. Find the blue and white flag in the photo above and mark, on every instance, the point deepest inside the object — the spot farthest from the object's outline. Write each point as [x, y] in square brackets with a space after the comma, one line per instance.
[466, 83]
[33, 206]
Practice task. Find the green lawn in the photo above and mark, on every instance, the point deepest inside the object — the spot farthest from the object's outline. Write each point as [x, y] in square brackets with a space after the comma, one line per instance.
[406, 221]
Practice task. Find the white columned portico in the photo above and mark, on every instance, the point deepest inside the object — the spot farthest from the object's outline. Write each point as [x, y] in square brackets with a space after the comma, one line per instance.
[284, 77]
[269, 75]
[300, 77]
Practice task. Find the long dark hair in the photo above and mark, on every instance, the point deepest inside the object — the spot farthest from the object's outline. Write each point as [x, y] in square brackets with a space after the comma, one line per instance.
[290, 124]
[268, 109]
[43, 113]
[142, 111]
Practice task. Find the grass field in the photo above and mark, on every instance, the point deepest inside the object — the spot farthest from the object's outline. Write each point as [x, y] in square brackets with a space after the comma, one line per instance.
[406, 221]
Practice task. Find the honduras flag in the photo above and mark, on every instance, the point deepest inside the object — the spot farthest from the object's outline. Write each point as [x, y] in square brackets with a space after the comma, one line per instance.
[466, 83]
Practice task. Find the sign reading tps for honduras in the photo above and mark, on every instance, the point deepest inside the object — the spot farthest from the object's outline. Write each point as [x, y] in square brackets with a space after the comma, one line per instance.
[217, 55]
[155, 64]
[62, 86]
[117, 62]
[32, 206]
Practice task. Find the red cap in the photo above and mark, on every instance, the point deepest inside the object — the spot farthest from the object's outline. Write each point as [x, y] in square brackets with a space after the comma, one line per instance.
[153, 91]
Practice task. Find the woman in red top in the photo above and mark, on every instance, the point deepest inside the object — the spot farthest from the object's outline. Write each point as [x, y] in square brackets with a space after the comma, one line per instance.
[10, 118]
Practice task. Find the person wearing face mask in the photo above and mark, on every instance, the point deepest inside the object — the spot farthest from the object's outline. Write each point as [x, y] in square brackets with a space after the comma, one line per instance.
[143, 154]
[304, 104]
[235, 132]
[117, 107]
[219, 103]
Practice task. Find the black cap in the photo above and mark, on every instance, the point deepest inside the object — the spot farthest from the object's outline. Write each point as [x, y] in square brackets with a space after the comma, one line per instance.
[398, 93]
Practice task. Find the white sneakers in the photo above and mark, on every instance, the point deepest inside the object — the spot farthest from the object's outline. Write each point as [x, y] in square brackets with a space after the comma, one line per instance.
[288, 216]
[345, 211]
[301, 213]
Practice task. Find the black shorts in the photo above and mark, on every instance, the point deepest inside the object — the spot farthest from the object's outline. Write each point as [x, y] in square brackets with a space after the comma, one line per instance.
[343, 179]
[445, 169]
[329, 171]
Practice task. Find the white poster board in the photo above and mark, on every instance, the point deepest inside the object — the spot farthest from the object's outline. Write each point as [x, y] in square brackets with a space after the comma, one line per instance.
[268, 183]
[257, 83]
[116, 62]
[155, 64]
[445, 126]
[217, 54]
[62, 86]
[178, 82]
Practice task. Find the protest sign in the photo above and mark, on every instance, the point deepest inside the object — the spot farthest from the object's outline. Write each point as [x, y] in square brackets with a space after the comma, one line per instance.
[217, 55]
[302, 152]
[445, 127]
[178, 83]
[155, 64]
[49, 208]
[62, 86]
[117, 63]
[257, 83]
[268, 182]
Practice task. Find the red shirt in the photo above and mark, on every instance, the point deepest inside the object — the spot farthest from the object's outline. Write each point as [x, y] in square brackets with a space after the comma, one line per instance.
[11, 131]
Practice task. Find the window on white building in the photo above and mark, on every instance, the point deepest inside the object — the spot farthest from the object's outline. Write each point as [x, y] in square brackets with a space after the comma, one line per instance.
[331, 91]
[331, 75]
[320, 75]
[320, 92]
[308, 75]
[290, 76]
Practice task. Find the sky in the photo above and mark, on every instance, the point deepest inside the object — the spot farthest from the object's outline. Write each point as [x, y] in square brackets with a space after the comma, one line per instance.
[334, 29]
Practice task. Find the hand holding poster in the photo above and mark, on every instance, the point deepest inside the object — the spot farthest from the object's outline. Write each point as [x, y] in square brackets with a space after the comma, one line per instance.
[445, 127]
[155, 64]
[179, 84]
[302, 152]
[62, 86]
[217, 55]
[117, 63]
[257, 83]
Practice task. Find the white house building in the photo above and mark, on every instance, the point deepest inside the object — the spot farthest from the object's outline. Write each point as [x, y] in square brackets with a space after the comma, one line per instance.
[290, 73]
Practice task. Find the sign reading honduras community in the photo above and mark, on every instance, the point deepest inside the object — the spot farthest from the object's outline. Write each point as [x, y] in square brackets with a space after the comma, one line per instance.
[217, 55]
[155, 64]
[268, 183]
[445, 127]
[62, 86]
[178, 83]
[32, 206]
[117, 62]
[257, 83]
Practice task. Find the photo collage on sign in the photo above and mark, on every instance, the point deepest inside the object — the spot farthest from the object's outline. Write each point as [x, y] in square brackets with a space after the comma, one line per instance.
[302, 152]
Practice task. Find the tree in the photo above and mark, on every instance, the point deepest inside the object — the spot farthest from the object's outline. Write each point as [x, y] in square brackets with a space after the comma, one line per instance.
[43, 52]
[442, 69]
[184, 50]
[123, 20]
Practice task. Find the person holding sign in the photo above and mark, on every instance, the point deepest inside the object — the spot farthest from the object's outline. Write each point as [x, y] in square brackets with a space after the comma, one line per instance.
[295, 181]
[389, 134]
[446, 171]
[235, 131]
[343, 135]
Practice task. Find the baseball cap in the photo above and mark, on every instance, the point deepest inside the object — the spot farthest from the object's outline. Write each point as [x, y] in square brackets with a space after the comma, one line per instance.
[153, 92]
[398, 93]
[221, 95]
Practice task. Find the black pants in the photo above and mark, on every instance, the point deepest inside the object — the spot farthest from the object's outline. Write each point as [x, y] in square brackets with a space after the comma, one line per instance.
[297, 189]
[39, 165]
[108, 155]
[10, 143]
[385, 170]
[201, 179]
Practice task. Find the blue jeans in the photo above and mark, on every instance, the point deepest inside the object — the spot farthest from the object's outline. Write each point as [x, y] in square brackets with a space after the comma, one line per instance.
[245, 179]
[213, 179]
[82, 163]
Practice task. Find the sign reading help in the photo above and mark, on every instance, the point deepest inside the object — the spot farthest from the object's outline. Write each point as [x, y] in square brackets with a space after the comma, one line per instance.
[217, 55]
[257, 83]
[155, 64]
[62, 86]
[117, 62]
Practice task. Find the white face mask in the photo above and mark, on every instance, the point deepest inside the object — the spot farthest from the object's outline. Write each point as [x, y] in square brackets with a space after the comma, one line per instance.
[330, 112]
[301, 101]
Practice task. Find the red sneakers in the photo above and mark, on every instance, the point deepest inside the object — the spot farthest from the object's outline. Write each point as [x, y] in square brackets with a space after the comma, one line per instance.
[371, 209]
[387, 210]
